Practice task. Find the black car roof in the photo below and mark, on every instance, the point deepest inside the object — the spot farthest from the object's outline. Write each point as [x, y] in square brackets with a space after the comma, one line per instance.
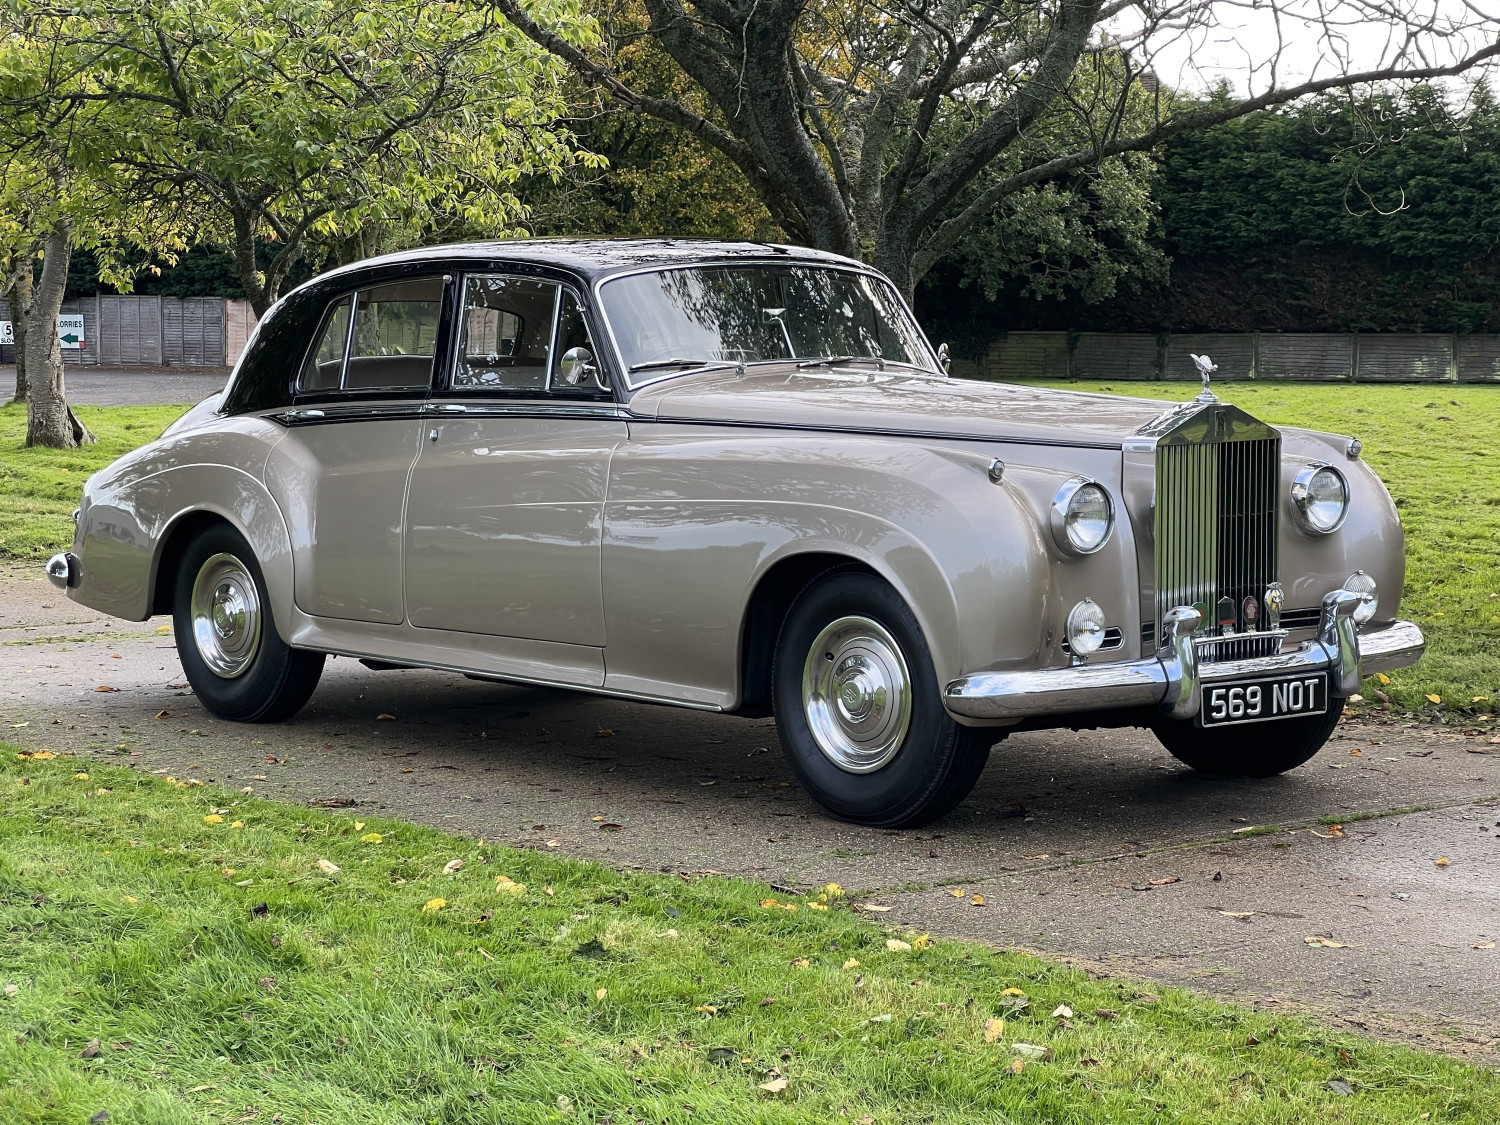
[593, 258]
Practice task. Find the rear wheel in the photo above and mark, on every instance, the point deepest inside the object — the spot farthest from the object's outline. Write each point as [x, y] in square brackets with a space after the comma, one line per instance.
[859, 712]
[1252, 750]
[237, 663]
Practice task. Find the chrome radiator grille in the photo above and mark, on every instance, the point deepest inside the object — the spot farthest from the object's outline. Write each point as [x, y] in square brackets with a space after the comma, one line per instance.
[1217, 485]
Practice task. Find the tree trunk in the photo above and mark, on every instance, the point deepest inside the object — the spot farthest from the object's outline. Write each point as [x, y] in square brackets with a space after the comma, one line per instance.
[49, 419]
[19, 291]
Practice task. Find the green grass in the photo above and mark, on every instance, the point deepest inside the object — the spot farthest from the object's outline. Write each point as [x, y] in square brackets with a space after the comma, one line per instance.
[39, 488]
[226, 978]
[1437, 448]
[1438, 451]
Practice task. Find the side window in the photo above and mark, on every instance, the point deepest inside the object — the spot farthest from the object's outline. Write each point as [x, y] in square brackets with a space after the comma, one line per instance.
[324, 370]
[506, 338]
[577, 364]
[391, 346]
[395, 336]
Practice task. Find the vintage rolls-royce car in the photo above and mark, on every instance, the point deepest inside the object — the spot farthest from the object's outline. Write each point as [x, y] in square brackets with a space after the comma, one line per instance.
[737, 477]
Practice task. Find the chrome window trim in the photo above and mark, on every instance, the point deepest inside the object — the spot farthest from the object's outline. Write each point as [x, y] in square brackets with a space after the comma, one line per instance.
[629, 385]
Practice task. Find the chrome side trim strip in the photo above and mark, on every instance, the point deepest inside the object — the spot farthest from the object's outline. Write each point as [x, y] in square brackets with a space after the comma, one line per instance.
[879, 431]
[529, 681]
[1171, 680]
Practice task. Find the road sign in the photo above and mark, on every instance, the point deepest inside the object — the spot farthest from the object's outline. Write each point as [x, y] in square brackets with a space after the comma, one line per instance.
[70, 330]
[7, 334]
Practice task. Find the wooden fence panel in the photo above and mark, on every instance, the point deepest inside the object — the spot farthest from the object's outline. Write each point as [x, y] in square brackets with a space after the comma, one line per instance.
[1304, 355]
[1478, 359]
[1116, 355]
[1403, 358]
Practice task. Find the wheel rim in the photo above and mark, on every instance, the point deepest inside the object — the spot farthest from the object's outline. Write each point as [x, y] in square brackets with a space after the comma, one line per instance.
[226, 615]
[856, 694]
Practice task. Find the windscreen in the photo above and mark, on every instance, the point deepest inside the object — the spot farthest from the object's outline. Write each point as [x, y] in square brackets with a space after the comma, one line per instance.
[679, 318]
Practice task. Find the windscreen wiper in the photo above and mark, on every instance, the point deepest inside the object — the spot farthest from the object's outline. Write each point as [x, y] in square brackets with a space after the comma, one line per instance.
[658, 363]
[835, 360]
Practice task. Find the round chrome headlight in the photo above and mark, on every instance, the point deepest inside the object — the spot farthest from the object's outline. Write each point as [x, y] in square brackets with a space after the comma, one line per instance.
[1320, 497]
[1082, 517]
[1086, 627]
[1361, 583]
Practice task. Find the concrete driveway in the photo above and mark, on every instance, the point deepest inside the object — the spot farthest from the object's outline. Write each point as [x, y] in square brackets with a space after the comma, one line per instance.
[131, 386]
[1093, 847]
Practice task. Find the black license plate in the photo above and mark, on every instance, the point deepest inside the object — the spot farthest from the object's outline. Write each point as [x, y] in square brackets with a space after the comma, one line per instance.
[1262, 699]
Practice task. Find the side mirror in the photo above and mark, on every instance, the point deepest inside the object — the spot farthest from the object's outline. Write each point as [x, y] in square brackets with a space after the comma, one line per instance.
[943, 357]
[578, 365]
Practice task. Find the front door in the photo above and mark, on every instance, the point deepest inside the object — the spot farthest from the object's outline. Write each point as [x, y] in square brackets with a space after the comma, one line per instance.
[504, 513]
[340, 472]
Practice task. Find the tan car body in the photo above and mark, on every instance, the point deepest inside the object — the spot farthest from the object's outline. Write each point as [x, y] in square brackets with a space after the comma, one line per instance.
[627, 546]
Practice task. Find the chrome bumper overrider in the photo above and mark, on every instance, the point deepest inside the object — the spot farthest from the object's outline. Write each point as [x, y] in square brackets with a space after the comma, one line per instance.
[1171, 679]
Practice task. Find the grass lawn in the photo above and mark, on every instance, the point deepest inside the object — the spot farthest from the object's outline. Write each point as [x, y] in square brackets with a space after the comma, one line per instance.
[1438, 451]
[39, 488]
[177, 953]
[1437, 448]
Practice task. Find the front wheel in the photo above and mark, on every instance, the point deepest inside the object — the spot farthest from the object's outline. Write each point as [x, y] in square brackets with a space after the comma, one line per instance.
[858, 709]
[1251, 750]
[237, 663]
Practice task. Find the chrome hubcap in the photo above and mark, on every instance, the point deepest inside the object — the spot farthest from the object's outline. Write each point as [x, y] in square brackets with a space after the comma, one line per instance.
[226, 615]
[856, 694]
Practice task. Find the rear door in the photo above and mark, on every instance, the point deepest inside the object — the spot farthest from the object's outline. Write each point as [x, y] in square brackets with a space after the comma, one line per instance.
[340, 474]
[504, 516]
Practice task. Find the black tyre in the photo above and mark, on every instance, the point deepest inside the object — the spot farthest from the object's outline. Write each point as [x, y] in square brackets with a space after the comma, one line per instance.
[1252, 750]
[859, 712]
[239, 666]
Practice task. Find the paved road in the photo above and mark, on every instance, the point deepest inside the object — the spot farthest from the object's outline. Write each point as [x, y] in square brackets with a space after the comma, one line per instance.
[1070, 837]
[131, 386]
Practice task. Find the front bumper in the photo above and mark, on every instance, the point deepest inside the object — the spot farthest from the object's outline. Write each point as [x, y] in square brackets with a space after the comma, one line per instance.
[1171, 680]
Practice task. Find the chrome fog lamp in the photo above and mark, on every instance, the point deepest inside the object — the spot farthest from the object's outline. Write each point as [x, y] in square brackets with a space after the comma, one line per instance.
[1082, 517]
[1361, 583]
[1320, 498]
[1085, 627]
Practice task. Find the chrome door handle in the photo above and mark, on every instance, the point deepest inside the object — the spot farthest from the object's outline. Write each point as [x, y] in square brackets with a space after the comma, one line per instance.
[432, 434]
[447, 407]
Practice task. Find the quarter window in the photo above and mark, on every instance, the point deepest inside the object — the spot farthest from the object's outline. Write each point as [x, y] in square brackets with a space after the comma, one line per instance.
[325, 365]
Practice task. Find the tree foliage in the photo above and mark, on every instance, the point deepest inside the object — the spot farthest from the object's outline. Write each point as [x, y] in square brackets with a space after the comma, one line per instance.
[831, 109]
[334, 123]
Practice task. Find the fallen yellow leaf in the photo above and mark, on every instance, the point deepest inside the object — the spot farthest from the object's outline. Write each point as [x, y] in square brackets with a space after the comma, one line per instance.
[922, 942]
[957, 892]
[372, 838]
[1017, 1065]
[1434, 698]
[977, 900]
[833, 890]
[359, 826]
[434, 905]
[600, 993]
[851, 964]
[238, 824]
[896, 945]
[1012, 992]
[213, 818]
[1382, 677]
[709, 1008]
[803, 962]
[993, 1030]
[1442, 861]
[81, 776]
[817, 906]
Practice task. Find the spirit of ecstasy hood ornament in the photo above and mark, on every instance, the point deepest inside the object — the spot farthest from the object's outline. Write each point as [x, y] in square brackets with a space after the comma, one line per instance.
[1206, 367]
